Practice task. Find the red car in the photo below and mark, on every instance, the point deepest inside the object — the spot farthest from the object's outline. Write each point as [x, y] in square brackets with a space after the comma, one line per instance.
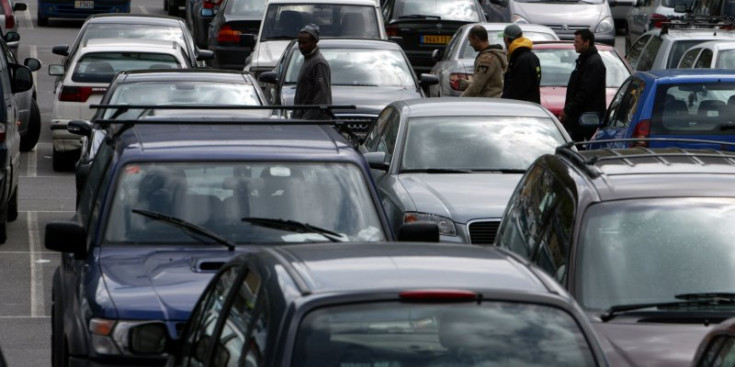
[557, 60]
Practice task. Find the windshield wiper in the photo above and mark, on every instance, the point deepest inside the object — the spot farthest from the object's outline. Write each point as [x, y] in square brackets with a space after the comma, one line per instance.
[436, 170]
[690, 299]
[189, 228]
[293, 226]
[419, 16]
[500, 170]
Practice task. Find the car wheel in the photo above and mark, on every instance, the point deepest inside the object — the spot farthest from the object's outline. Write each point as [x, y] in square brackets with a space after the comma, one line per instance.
[29, 140]
[64, 161]
[13, 206]
[42, 21]
[59, 347]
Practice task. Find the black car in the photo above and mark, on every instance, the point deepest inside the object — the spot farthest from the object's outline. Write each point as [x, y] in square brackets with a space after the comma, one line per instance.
[421, 26]
[641, 237]
[232, 32]
[368, 74]
[380, 305]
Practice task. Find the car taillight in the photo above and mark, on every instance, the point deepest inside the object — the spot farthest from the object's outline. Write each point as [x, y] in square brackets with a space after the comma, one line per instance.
[642, 130]
[9, 22]
[78, 94]
[210, 4]
[454, 79]
[657, 20]
[391, 30]
[440, 295]
[227, 34]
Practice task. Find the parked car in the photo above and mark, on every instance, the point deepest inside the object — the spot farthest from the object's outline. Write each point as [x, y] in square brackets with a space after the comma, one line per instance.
[716, 349]
[455, 161]
[663, 48]
[678, 103]
[89, 74]
[198, 15]
[420, 26]
[353, 64]
[301, 306]
[711, 9]
[650, 14]
[709, 55]
[336, 19]
[8, 21]
[77, 9]
[131, 27]
[558, 60]
[165, 204]
[641, 239]
[233, 30]
[457, 60]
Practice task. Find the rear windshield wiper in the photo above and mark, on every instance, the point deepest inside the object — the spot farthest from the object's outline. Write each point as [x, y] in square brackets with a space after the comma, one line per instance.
[419, 16]
[692, 299]
[715, 297]
[436, 170]
[189, 228]
[500, 170]
[294, 226]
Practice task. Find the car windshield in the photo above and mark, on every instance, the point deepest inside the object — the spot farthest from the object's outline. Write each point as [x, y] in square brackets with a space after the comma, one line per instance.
[132, 31]
[180, 93]
[251, 8]
[366, 67]
[218, 195]
[464, 10]
[101, 67]
[478, 142]
[694, 108]
[495, 37]
[677, 51]
[648, 251]
[557, 66]
[283, 21]
[490, 333]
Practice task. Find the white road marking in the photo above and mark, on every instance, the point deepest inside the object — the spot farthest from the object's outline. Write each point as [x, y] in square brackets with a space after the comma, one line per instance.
[25, 317]
[37, 297]
[29, 21]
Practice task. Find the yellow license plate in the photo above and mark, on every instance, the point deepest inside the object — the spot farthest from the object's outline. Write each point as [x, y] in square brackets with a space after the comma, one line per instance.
[84, 4]
[436, 40]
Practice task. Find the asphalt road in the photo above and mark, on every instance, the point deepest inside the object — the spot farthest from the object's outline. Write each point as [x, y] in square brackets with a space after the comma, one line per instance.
[26, 267]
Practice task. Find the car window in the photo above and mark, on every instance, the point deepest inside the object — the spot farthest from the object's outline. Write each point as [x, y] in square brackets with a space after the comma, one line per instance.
[464, 10]
[258, 333]
[520, 229]
[101, 67]
[648, 55]
[132, 31]
[374, 142]
[705, 59]
[496, 38]
[725, 59]
[634, 52]
[687, 61]
[694, 108]
[93, 185]
[250, 8]
[232, 338]
[626, 105]
[283, 21]
[552, 252]
[720, 352]
[557, 66]
[677, 49]
[454, 43]
[488, 333]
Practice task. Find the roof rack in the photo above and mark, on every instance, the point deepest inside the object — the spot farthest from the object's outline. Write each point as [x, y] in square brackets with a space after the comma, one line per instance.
[588, 164]
[697, 22]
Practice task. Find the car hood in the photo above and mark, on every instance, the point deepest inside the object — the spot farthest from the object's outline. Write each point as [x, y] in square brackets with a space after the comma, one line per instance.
[157, 284]
[552, 98]
[462, 196]
[267, 53]
[650, 344]
[558, 13]
[368, 100]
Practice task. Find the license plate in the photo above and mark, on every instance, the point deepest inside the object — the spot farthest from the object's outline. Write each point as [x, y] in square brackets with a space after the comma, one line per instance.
[84, 4]
[435, 40]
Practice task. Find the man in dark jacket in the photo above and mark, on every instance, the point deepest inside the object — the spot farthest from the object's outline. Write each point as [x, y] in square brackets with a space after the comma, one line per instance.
[586, 88]
[314, 84]
[523, 78]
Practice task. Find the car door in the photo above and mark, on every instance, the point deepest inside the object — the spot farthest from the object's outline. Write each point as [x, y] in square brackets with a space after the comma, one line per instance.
[621, 114]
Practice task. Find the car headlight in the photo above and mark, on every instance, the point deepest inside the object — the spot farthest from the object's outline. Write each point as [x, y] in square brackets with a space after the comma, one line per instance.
[518, 19]
[606, 25]
[446, 225]
[113, 336]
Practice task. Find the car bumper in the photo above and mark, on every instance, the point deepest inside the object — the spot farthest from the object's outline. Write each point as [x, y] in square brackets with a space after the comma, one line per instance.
[63, 140]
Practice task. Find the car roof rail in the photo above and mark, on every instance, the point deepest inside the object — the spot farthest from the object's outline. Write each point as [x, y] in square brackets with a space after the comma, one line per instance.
[696, 22]
[588, 163]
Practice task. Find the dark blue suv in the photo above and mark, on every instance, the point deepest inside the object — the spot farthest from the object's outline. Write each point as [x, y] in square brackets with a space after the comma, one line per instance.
[164, 206]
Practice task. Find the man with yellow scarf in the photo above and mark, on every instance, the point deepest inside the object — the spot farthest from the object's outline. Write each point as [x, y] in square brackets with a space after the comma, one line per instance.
[523, 78]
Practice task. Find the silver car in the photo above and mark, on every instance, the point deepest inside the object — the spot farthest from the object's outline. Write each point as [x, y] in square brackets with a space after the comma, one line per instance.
[456, 161]
[457, 60]
[650, 14]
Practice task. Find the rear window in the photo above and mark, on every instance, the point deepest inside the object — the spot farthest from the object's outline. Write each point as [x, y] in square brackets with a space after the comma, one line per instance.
[254, 8]
[133, 31]
[496, 38]
[490, 333]
[354, 21]
[695, 108]
[464, 10]
[102, 67]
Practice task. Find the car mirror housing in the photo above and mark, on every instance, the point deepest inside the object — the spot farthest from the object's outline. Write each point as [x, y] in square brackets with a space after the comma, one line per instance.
[22, 78]
[268, 77]
[203, 55]
[428, 79]
[590, 119]
[419, 232]
[32, 63]
[62, 50]
[66, 237]
[20, 6]
[56, 70]
[11, 36]
[376, 160]
[436, 55]
[79, 127]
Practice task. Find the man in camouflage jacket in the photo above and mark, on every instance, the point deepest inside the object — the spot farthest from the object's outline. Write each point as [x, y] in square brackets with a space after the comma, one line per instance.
[490, 65]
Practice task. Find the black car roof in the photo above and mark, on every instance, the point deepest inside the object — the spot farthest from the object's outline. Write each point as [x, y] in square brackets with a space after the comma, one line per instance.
[183, 75]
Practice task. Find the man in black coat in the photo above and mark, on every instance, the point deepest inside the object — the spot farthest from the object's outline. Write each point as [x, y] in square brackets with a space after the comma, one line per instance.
[314, 84]
[586, 88]
[523, 77]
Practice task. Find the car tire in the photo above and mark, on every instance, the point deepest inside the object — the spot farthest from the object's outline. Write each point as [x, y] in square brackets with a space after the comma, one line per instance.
[13, 206]
[30, 139]
[64, 161]
[42, 21]
[59, 348]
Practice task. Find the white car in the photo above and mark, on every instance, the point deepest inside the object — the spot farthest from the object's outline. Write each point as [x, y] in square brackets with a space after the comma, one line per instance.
[709, 55]
[89, 74]
[336, 19]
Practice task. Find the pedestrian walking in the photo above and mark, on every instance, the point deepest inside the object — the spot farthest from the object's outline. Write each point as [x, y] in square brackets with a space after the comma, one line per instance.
[490, 65]
[523, 78]
[586, 88]
[314, 84]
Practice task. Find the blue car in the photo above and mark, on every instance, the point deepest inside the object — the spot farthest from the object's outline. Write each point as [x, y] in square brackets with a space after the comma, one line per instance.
[78, 9]
[676, 103]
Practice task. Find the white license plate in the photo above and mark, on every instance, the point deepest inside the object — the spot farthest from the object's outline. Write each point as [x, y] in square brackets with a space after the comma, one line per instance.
[84, 4]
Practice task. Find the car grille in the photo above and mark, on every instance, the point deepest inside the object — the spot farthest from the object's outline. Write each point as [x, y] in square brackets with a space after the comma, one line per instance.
[483, 232]
[566, 29]
[359, 124]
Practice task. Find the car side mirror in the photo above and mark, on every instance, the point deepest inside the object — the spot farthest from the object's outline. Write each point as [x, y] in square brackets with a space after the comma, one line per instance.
[32, 63]
[11, 36]
[428, 79]
[207, 13]
[20, 7]
[437, 54]
[22, 78]
[149, 339]
[66, 237]
[203, 55]
[377, 160]
[419, 232]
[62, 50]
[79, 127]
[56, 70]
[268, 77]
[589, 119]
[247, 40]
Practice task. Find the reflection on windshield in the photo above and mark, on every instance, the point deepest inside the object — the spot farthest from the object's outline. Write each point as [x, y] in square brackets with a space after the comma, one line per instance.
[478, 143]
[447, 10]
[217, 196]
[379, 68]
[495, 37]
[726, 59]
[133, 31]
[486, 334]
[557, 65]
[637, 251]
